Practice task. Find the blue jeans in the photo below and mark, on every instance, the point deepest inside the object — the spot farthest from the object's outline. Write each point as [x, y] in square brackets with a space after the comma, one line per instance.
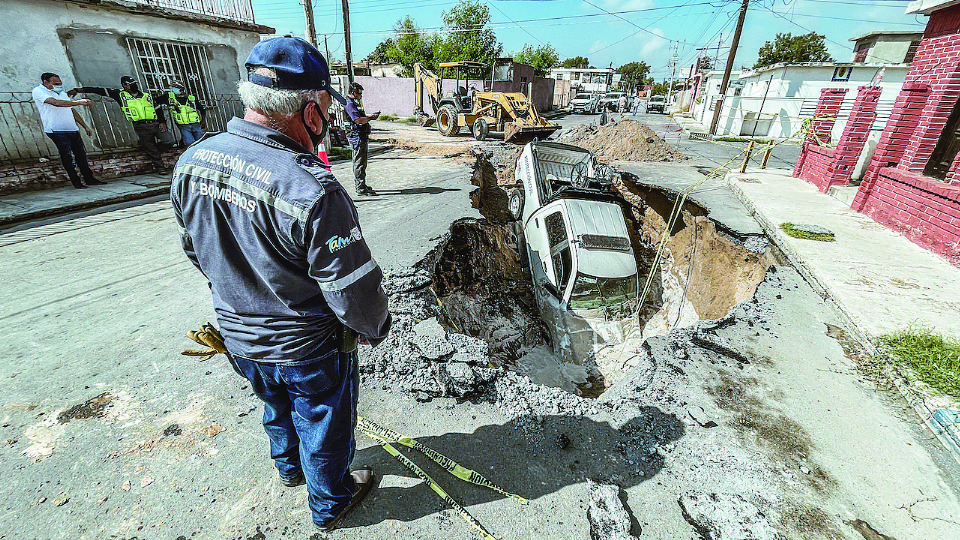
[309, 414]
[190, 133]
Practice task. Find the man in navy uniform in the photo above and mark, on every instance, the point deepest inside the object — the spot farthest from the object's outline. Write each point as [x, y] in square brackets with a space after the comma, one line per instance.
[293, 281]
[358, 133]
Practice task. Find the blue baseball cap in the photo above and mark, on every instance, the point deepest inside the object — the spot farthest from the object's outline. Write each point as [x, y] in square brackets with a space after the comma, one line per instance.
[297, 63]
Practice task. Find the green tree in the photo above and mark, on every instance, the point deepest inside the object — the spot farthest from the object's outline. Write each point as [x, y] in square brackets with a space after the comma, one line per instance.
[380, 53]
[577, 62]
[543, 58]
[790, 49]
[410, 45]
[633, 75]
[467, 36]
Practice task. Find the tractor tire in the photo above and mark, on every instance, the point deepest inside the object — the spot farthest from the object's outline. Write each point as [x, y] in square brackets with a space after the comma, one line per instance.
[515, 203]
[447, 121]
[480, 129]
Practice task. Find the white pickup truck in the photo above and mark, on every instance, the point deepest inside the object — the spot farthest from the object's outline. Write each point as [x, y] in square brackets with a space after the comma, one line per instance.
[577, 246]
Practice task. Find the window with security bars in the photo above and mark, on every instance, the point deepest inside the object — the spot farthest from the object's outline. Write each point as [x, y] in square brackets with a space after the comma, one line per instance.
[159, 62]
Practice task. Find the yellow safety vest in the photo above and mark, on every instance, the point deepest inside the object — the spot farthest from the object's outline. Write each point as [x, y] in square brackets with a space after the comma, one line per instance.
[136, 109]
[184, 114]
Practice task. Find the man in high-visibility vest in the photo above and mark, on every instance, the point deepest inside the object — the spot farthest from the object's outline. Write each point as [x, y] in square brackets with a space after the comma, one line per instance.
[139, 108]
[188, 113]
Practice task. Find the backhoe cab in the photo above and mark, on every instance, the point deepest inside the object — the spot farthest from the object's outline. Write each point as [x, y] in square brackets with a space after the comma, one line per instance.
[479, 111]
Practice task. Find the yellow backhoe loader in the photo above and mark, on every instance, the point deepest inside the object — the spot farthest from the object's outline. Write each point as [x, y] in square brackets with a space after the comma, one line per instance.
[479, 111]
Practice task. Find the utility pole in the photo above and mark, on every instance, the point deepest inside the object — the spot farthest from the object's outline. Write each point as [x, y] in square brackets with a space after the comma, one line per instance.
[311, 27]
[726, 70]
[326, 49]
[673, 62]
[346, 40]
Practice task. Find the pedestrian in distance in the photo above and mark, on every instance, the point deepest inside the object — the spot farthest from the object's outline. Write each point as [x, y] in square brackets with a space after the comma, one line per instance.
[622, 104]
[358, 133]
[140, 109]
[294, 284]
[59, 119]
[188, 113]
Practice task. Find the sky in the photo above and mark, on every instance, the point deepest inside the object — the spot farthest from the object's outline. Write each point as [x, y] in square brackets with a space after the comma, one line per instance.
[610, 32]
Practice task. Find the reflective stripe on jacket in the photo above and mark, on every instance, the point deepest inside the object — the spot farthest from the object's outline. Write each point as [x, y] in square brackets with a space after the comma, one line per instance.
[184, 114]
[136, 109]
[280, 242]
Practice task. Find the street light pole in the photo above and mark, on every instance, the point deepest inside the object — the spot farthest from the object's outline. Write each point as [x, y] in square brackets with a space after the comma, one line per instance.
[726, 71]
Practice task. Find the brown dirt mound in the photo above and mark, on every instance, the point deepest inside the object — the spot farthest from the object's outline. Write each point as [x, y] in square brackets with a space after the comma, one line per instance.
[626, 140]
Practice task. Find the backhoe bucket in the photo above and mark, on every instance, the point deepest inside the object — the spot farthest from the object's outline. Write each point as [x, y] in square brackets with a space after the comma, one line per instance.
[523, 134]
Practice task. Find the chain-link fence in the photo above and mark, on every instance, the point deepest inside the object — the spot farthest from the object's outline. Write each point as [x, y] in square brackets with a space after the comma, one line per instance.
[22, 137]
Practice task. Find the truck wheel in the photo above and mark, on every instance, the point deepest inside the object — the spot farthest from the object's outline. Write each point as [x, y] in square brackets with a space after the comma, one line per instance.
[447, 121]
[480, 129]
[515, 203]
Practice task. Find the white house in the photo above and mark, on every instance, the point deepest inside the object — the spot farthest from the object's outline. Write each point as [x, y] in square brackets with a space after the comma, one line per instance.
[585, 79]
[95, 42]
[775, 100]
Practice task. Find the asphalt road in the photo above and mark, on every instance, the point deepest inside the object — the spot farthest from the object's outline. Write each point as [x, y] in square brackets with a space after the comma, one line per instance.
[110, 433]
[704, 154]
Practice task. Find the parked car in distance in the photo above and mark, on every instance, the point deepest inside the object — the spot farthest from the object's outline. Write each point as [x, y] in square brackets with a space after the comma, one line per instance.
[574, 239]
[657, 103]
[584, 103]
[611, 100]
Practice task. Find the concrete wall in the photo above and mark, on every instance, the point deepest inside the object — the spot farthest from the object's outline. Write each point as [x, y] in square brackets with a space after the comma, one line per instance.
[889, 49]
[86, 45]
[397, 95]
[793, 95]
[36, 34]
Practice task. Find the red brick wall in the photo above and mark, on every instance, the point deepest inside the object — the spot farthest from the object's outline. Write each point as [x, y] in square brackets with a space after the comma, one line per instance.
[827, 108]
[893, 192]
[923, 209]
[826, 167]
[816, 165]
[33, 175]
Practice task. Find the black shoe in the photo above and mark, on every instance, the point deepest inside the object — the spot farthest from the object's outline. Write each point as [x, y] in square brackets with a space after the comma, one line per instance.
[95, 182]
[79, 186]
[294, 481]
[366, 191]
[365, 480]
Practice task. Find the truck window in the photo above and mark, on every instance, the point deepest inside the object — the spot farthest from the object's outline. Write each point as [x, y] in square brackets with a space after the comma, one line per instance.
[559, 249]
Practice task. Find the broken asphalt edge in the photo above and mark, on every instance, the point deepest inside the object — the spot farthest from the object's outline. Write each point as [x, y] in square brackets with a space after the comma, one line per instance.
[779, 239]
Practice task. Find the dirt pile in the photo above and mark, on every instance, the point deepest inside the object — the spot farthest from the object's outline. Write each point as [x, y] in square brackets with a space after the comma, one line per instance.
[626, 140]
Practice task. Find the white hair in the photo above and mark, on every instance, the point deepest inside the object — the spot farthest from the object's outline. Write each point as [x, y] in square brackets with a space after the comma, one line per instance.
[274, 102]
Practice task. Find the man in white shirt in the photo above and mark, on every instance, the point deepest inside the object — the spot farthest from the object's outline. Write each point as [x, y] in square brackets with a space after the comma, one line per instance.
[60, 121]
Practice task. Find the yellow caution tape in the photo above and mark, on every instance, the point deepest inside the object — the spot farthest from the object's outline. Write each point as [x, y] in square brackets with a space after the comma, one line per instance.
[385, 437]
[450, 465]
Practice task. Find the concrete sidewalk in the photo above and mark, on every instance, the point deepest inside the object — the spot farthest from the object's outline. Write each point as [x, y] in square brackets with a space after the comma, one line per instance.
[29, 205]
[880, 281]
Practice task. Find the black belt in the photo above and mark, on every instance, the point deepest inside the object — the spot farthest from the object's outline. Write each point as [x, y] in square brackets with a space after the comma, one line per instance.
[144, 121]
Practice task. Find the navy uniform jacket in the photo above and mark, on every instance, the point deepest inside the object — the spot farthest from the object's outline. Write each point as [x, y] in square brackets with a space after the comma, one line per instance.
[279, 240]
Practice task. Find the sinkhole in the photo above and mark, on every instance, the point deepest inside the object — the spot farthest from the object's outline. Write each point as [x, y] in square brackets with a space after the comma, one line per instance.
[485, 279]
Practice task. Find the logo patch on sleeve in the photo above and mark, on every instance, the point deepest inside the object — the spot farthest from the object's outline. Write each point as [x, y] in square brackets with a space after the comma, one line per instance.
[337, 243]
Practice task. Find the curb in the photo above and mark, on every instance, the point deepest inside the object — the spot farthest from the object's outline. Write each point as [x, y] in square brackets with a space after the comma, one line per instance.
[779, 240]
[76, 207]
[914, 399]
